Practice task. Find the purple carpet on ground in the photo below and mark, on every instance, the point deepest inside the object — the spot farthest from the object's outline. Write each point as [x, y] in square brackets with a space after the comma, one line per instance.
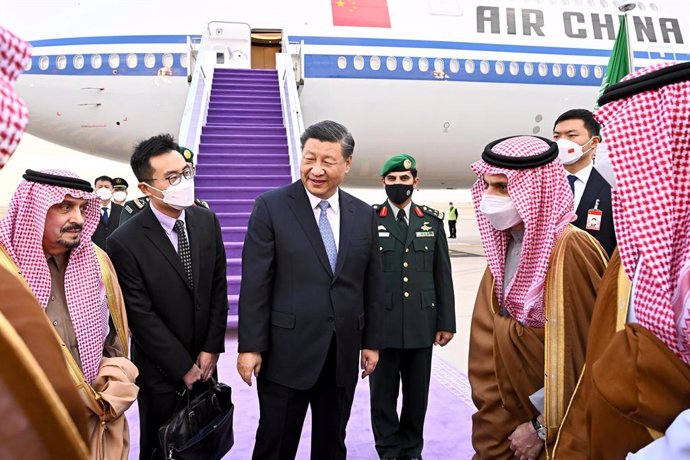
[446, 432]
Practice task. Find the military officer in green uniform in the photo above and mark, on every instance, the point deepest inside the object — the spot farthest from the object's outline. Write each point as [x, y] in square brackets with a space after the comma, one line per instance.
[134, 206]
[420, 310]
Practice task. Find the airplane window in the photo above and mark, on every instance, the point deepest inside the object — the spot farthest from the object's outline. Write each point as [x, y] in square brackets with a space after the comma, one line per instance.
[375, 62]
[27, 67]
[439, 65]
[584, 71]
[184, 60]
[61, 62]
[529, 69]
[149, 61]
[43, 62]
[167, 60]
[566, 2]
[514, 68]
[342, 62]
[500, 67]
[653, 7]
[556, 70]
[591, 3]
[423, 64]
[96, 61]
[359, 62]
[641, 6]
[598, 72]
[114, 61]
[78, 61]
[484, 67]
[543, 69]
[132, 60]
[407, 64]
[469, 66]
[391, 63]
[454, 65]
[578, 2]
[570, 70]
[604, 4]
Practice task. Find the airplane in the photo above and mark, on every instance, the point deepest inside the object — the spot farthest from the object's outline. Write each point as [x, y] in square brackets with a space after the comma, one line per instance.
[438, 79]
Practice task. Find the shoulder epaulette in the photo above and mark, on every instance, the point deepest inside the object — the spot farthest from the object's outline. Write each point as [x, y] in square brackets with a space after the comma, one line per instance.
[376, 206]
[201, 203]
[140, 203]
[433, 212]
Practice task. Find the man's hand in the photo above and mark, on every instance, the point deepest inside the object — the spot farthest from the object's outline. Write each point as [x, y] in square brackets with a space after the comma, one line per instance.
[525, 443]
[369, 360]
[207, 363]
[192, 375]
[248, 363]
[443, 337]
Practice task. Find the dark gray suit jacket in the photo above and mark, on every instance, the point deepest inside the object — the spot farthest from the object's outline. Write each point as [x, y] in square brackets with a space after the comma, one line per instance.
[291, 302]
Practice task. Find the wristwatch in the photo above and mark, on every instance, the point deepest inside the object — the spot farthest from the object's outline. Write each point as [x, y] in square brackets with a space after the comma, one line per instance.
[539, 428]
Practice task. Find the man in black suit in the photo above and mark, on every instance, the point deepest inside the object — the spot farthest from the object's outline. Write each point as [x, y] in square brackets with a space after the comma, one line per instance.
[577, 134]
[310, 300]
[110, 212]
[170, 261]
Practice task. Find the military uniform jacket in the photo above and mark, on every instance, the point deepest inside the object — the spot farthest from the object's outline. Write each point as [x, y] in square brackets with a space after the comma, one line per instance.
[419, 299]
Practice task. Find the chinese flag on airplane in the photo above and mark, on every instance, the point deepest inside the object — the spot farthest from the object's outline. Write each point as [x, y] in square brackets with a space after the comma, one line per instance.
[360, 13]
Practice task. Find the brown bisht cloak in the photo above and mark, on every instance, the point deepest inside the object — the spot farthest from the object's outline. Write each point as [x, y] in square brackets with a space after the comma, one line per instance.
[508, 361]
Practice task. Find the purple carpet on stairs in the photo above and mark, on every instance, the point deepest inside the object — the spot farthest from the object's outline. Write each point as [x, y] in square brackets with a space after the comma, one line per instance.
[446, 432]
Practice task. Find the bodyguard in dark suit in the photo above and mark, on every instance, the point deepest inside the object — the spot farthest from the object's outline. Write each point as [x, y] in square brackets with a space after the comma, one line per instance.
[309, 301]
[170, 261]
[419, 310]
[110, 212]
[577, 134]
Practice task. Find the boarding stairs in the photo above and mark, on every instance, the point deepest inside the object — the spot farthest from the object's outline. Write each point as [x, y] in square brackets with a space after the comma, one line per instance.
[246, 132]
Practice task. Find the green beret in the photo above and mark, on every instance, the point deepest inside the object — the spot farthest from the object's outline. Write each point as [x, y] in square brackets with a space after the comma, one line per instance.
[119, 182]
[187, 154]
[402, 162]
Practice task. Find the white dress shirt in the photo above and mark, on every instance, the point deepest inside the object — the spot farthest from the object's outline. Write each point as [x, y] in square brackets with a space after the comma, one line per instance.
[168, 224]
[109, 206]
[581, 182]
[332, 213]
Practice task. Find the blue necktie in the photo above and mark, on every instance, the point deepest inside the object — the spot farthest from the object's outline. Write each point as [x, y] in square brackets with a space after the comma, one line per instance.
[571, 180]
[105, 215]
[327, 235]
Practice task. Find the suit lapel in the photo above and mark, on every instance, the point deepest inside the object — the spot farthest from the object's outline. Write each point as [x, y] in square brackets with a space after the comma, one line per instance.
[301, 207]
[155, 233]
[415, 223]
[391, 222]
[590, 194]
[347, 215]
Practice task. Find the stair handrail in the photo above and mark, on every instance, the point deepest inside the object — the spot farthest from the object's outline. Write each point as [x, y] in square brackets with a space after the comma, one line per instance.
[292, 110]
[196, 106]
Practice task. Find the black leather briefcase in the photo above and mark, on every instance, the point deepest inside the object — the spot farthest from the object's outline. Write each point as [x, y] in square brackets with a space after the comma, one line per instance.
[201, 429]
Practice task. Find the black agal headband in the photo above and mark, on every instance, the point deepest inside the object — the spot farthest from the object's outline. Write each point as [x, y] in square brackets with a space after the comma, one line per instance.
[506, 162]
[653, 80]
[60, 181]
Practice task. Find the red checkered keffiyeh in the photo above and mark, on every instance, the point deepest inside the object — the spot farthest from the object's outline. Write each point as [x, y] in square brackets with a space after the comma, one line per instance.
[648, 135]
[14, 54]
[21, 234]
[543, 199]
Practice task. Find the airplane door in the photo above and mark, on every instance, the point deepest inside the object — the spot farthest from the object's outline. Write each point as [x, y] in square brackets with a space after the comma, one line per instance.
[265, 45]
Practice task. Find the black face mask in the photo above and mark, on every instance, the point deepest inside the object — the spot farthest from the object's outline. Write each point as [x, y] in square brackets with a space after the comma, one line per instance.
[399, 193]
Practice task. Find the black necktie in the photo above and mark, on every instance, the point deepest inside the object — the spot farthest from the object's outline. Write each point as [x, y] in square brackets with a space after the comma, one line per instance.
[571, 181]
[401, 222]
[183, 250]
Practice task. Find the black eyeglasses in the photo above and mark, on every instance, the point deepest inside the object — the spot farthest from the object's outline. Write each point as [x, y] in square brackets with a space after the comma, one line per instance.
[176, 178]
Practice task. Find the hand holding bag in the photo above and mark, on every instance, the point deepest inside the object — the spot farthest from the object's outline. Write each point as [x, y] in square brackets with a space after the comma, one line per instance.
[201, 429]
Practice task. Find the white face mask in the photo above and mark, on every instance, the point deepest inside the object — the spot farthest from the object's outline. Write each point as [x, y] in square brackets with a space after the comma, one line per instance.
[500, 210]
[569, 152]
[178, 196]
[104, 193]
[120, 196]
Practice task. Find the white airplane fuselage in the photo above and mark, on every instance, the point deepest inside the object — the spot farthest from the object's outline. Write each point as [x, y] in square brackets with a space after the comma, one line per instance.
[446, 77]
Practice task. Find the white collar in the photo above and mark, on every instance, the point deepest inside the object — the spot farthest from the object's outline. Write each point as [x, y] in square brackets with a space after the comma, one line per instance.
[334, 200]
[584, 173]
